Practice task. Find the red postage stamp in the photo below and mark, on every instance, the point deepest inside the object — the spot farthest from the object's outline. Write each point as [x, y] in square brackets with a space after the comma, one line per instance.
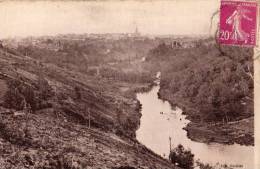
[238, 22]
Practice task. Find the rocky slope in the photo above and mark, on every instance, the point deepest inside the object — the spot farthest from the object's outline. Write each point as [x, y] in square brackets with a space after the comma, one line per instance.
[45, 112]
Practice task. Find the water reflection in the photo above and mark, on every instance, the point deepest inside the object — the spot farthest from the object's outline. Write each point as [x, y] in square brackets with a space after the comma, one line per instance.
[157, 127]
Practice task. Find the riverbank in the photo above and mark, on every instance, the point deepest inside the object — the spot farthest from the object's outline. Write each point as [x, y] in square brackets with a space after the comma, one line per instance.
[212, 86]
[240, 132]
[162, 125]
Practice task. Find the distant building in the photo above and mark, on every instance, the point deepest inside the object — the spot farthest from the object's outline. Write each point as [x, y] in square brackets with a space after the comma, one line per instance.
[176, 44]
[137, 33]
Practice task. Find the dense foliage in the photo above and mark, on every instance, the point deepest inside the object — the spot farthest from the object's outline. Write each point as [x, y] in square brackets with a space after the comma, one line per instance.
[20, 95]
[217, 85]
[85, 52]
[134, 77]
[183, 158]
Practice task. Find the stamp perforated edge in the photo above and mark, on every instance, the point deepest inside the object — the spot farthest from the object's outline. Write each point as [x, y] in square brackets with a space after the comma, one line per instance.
[257, 45]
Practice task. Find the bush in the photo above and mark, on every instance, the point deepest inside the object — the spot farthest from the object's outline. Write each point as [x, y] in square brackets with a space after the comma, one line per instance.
[18, 95]
[183, 158]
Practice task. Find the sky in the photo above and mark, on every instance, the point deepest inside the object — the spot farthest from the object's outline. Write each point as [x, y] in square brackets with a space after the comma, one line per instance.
[180, 17]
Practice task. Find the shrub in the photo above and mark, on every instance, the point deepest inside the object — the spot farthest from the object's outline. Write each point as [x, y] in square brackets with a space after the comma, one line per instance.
[18, 95]
[183, 158]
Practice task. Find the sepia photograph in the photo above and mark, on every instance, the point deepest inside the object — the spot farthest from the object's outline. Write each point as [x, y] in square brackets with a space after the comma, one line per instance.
[128, 84]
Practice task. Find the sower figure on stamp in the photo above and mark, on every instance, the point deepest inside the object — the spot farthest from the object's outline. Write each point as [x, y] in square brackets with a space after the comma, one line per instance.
[235, 19]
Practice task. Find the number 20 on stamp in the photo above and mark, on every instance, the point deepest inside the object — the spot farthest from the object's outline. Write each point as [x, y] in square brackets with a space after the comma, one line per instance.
[238, 22]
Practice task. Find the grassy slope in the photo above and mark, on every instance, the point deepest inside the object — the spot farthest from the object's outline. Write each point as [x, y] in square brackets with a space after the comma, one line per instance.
[55, 135]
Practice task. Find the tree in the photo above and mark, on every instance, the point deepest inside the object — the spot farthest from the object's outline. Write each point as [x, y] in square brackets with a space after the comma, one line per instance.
[183, 158]
[18, 95]
[45, 89]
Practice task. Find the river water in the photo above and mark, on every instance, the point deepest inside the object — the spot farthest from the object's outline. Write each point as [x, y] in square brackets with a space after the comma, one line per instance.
[156, 129]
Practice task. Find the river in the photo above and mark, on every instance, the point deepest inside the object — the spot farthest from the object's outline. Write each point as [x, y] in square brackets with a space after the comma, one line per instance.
[156, 128]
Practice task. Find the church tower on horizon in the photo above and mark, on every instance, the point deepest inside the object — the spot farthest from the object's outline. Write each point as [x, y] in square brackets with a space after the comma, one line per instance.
[136, 33]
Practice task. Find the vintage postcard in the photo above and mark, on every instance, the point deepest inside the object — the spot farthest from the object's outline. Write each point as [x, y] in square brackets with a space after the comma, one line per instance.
[154, 84]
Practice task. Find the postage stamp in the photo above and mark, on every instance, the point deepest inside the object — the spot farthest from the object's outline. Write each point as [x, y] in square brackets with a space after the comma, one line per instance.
[238, 22]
